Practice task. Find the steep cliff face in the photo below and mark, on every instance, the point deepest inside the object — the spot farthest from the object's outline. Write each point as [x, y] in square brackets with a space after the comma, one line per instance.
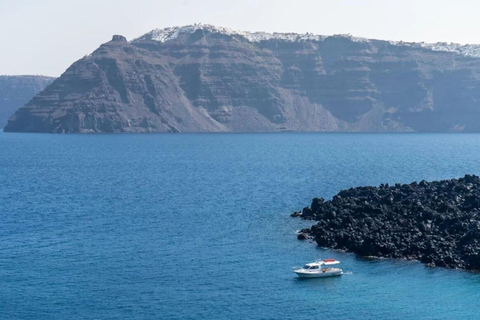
[209, 79]
[16, 91]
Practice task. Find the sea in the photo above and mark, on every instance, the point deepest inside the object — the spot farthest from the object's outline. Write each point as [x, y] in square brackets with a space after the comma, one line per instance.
[198, 226]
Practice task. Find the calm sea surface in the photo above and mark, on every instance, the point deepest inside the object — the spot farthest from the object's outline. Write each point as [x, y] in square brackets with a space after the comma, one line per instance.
[197, 226]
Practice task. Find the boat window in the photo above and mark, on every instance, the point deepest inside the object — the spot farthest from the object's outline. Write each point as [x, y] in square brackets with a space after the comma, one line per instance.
[314, 267]
[306, 266]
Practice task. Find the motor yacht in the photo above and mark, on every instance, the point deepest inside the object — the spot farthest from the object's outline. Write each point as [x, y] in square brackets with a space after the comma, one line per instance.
[319, 269]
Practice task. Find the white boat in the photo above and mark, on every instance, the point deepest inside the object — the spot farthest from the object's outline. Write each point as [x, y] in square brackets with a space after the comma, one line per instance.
[319, 269]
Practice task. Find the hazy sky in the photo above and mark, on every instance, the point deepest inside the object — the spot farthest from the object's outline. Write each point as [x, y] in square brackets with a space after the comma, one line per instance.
[46, 36]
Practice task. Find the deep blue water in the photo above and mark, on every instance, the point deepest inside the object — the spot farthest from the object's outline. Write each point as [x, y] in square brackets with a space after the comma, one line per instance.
[197, 226]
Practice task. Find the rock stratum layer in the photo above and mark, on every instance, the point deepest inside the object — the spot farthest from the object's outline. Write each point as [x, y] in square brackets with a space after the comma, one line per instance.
[207, 79]
[16, 91]
[437, 222]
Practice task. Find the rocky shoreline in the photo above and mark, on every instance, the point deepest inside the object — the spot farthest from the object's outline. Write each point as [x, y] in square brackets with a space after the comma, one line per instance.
[437, 223]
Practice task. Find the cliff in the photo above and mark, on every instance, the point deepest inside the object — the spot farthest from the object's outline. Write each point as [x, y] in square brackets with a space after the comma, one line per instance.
[16, 91]
[207, 79]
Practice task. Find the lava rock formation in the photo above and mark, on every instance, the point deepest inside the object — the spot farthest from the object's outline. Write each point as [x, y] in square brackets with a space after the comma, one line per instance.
[436, 222]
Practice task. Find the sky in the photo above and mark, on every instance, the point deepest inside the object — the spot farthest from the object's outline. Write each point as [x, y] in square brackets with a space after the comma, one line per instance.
[46, 36]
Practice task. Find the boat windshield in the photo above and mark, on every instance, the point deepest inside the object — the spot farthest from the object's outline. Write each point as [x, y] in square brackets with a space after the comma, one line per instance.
[310, 267]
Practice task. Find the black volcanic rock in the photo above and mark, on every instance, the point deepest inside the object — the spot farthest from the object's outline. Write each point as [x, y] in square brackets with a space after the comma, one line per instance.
[16, 91]
[208, 79]
[436, 222]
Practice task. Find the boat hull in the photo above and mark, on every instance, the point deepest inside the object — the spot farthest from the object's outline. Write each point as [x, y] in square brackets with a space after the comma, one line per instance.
[305, 274]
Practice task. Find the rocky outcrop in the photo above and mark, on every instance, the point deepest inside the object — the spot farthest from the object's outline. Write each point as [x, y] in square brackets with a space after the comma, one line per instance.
[436, 222]
[16, 91]
[206, 79]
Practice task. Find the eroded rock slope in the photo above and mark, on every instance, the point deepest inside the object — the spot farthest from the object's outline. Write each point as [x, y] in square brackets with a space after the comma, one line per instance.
[16, 91]
[208, 79]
